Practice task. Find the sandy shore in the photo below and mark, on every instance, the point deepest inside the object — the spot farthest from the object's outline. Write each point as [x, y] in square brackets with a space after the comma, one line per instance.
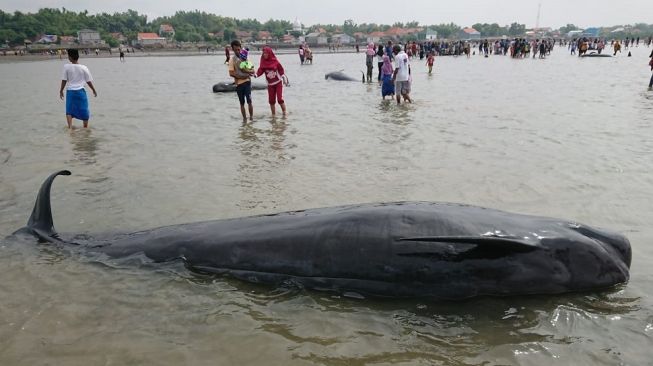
[157, 53]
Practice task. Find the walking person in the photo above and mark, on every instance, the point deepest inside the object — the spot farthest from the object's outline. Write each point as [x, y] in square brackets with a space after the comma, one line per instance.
[275, 77]
[226, 54]
[75, 76]
[388, 87]
[242, 79]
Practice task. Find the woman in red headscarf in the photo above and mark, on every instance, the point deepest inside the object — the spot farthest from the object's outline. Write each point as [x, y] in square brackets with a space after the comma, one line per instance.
[275, 76]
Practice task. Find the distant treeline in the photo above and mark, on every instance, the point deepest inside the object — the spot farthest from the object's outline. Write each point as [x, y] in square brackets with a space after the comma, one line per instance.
[201, 26]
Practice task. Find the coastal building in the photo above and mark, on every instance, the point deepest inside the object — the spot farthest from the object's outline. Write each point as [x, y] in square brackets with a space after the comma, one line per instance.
[469, 34]
[89, 37]
[265, 36]
[342, 39]
[317, 39]
[167, 31]
[375, 37]
[47, 39]
[149, 39]
[119, 37]
[67, 41]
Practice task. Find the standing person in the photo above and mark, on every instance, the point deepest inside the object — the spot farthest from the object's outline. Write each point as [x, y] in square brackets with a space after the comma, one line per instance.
[302, 54]
[650, 63]
[369, 60]
[308, 54]
[242, 80]
[226, 54]
[379, 60]
[430, 61]
[276, 78]
[122, 54]
[388, 87]
[74, 77]
[401, 76]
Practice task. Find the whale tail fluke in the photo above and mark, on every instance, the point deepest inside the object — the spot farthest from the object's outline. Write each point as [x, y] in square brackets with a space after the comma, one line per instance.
[40, 223]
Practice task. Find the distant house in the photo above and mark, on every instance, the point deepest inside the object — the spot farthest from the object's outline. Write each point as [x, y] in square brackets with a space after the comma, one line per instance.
[265, 36]
[592, 32]
[289, 39]
[167, 31]
[47, 38]
[244, 36]
[342, 39]
[431, 35]
[316, 39]
[67, 41]
[375, 37]
[119, 37]
[360, 36]
[469, 34]
[88, 37]
[574, 33]
[150, 39]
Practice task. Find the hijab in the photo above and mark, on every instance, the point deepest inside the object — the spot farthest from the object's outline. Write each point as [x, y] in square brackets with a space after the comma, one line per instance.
[271, 62]
[370, 50]
[387, 66]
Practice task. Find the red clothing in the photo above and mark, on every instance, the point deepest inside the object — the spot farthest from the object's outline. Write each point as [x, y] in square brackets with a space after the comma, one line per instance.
[271, 67]
[275, 93]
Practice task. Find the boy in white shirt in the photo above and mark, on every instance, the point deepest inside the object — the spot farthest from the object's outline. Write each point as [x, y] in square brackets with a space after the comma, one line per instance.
[401, 77]
[76, 76]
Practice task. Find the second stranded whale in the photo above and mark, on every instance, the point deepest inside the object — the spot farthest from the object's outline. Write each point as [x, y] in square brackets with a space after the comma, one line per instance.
[398, 249]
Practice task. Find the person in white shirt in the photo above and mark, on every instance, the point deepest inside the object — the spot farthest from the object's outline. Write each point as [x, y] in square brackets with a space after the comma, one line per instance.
[401, 76]
[74, 78]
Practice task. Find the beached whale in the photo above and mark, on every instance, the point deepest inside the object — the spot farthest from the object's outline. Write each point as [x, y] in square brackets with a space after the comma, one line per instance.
[594, 54]
[227, 87]
[341, 76]
[422, 249]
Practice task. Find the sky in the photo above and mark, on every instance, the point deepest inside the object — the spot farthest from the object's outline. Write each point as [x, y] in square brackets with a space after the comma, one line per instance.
[553, 13]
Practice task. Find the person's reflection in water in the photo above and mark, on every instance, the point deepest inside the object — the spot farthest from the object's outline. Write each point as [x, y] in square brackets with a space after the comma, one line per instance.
[264, 159]
[84, 146]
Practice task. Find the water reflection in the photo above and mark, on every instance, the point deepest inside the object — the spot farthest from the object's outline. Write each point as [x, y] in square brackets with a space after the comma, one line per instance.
[85, 146]
[264, 159]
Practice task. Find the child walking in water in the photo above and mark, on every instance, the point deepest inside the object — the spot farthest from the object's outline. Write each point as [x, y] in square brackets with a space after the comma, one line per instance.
[430, 60]
[74, 77]
[388, 87]
[275, 76]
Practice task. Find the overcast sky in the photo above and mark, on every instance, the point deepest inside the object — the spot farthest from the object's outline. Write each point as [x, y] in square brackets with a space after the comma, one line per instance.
[554, 13]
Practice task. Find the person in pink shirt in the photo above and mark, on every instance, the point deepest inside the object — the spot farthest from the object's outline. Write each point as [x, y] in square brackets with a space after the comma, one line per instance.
[275, 76]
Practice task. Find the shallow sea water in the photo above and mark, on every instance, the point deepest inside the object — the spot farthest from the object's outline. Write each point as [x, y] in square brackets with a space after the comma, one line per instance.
[562, 137]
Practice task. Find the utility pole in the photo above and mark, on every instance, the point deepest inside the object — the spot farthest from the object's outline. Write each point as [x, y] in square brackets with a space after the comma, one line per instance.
[537, 22]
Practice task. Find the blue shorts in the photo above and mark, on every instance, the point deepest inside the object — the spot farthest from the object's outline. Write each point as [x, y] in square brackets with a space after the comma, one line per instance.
[77, 104]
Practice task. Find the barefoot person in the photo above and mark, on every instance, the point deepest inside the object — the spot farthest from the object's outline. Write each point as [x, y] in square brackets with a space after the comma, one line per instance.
[242, 80]
[275, 76]
[401, 77]
[74, 77]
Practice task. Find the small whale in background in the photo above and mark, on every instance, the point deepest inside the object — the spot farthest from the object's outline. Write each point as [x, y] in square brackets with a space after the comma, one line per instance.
[396, 249]
[341, 76]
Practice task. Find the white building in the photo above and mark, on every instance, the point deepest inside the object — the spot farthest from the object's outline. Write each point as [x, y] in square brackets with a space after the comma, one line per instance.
[342, 39]
[88, 36]
[150, 39]
[431, 35]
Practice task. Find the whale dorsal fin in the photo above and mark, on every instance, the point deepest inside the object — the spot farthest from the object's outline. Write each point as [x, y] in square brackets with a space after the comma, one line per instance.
[41, 219]
[504, 243]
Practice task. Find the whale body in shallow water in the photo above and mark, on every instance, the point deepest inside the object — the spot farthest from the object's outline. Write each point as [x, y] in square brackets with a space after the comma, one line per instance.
[341, 76]
[399, 249]
[228, 87]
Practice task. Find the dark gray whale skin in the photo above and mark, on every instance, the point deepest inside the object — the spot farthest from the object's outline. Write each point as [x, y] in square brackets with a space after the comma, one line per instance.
[400, 249]
[340, 76]
[229, 87]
